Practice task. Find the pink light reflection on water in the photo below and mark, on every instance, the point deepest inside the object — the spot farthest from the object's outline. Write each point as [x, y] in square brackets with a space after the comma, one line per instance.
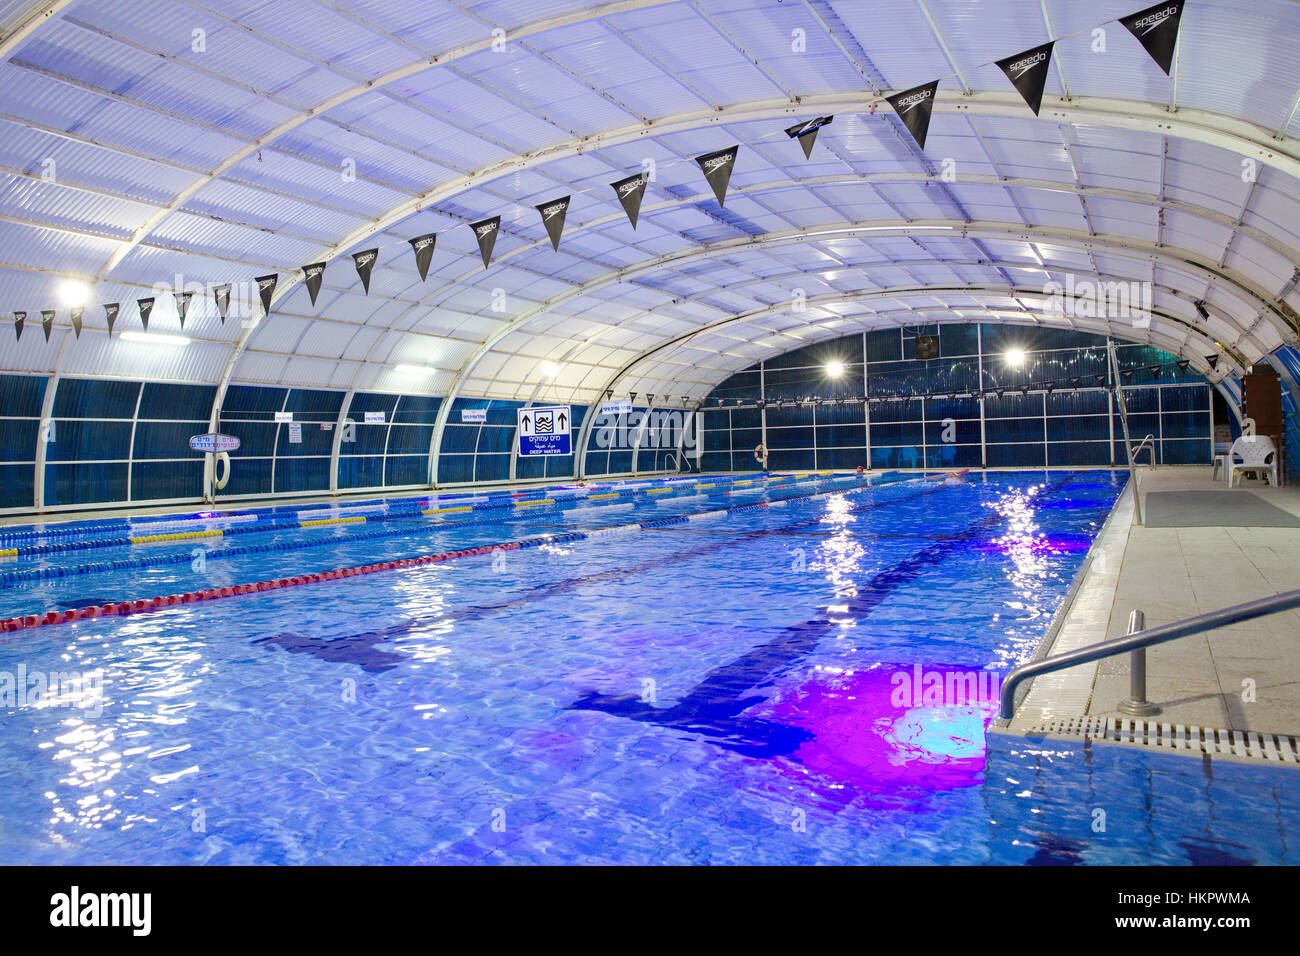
[866, 743]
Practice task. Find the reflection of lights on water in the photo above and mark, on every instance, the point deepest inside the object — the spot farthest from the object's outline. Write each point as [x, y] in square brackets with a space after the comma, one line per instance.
[841, 555]
[1022, 542]
[939, 733]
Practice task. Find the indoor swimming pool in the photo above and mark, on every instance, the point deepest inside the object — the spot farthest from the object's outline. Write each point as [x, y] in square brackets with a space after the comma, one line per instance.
[709, 671]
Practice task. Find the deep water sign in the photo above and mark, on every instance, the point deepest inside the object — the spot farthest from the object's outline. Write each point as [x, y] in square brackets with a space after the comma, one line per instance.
[544, 430]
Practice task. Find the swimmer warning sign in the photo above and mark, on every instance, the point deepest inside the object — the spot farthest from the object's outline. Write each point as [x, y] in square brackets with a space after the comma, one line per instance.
[544, 430]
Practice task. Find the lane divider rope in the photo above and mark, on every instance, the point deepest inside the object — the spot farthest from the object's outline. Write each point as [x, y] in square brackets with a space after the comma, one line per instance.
[28, 575]
[29, 621]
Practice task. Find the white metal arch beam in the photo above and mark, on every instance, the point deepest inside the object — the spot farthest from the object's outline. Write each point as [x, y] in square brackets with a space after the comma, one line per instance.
[421, 305]
[1184, 260]
[1237, 136]
[900, 292]
[1041, 311]
[1030, 318]
[347, 95]
[29, 22]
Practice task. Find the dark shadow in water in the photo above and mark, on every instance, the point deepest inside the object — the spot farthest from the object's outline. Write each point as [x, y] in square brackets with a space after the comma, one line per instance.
[356, 649]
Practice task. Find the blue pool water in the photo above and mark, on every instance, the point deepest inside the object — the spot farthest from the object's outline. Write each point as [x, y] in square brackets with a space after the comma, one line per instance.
[724, 689]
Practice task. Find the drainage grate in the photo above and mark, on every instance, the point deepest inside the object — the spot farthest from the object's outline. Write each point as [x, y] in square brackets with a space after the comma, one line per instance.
[1183, 738]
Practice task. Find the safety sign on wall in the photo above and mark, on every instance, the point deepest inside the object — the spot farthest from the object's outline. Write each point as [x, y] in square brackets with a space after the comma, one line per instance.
[544, 430]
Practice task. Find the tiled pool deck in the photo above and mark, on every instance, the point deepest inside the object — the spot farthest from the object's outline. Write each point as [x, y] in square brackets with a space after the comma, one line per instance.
[1206, 680]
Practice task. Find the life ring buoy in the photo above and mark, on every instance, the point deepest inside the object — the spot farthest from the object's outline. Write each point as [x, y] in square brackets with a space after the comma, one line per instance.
[221, 459]
[760, 454]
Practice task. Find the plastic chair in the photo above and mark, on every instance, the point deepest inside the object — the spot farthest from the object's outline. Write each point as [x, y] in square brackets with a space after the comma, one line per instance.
[1258, 456]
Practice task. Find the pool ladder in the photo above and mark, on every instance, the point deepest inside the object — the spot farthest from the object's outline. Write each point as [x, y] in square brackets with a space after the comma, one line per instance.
[1136, 642]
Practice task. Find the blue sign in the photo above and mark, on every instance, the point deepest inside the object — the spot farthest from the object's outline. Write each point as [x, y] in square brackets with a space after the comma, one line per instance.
[544, 430]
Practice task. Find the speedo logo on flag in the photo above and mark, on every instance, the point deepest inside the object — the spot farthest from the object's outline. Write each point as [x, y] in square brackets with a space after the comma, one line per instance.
[484, 230]
[1027, 64]
[365, 259]
[552, 209]
[717, 161]
[631, 185]
[1153, 20]
[421, 244]
[908, 103]
[266, 283]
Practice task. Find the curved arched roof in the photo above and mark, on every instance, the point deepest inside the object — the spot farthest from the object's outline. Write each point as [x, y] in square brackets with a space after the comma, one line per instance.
[200, 143]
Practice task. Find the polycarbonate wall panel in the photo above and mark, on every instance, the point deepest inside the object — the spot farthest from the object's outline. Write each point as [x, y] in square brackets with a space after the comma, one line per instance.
[279, 456]
[88, 454]
[478, 451]
[643, 439]
[21, 398]
[391, 451]
[162, 464]
[918, 417]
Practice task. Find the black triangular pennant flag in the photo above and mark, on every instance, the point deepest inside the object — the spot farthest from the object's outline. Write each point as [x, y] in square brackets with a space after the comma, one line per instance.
[19, 319]
[629, 192]
[312, 276]
[221, 294]
[1157, 30]
[806, 133]
[1028, 73]
[1213, 360]
[110, 315]
[717, 170]
[183, 305]
[77, 312]
[47, 322]
[146, 307]
[485, 231]
[365, 263]
[266, 289]
[553, 214]
[914, 107]
[423, 246]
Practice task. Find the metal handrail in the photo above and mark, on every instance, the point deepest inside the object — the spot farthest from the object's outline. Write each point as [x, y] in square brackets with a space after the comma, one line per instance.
[1139, 640]
[1149, 443]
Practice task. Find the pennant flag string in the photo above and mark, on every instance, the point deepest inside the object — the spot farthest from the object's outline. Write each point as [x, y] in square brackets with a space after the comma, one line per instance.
[806, 133]
[1156, 29]
[1028, 73]
[266, 289]
[423, 247]
[717, 169]
[485, 231]
[914, 107]
[312, 276]
[182, 304]
[365, 263]
[553, 214]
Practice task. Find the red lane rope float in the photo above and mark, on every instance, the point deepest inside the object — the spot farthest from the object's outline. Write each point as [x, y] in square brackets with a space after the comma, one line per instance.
[125, 608]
